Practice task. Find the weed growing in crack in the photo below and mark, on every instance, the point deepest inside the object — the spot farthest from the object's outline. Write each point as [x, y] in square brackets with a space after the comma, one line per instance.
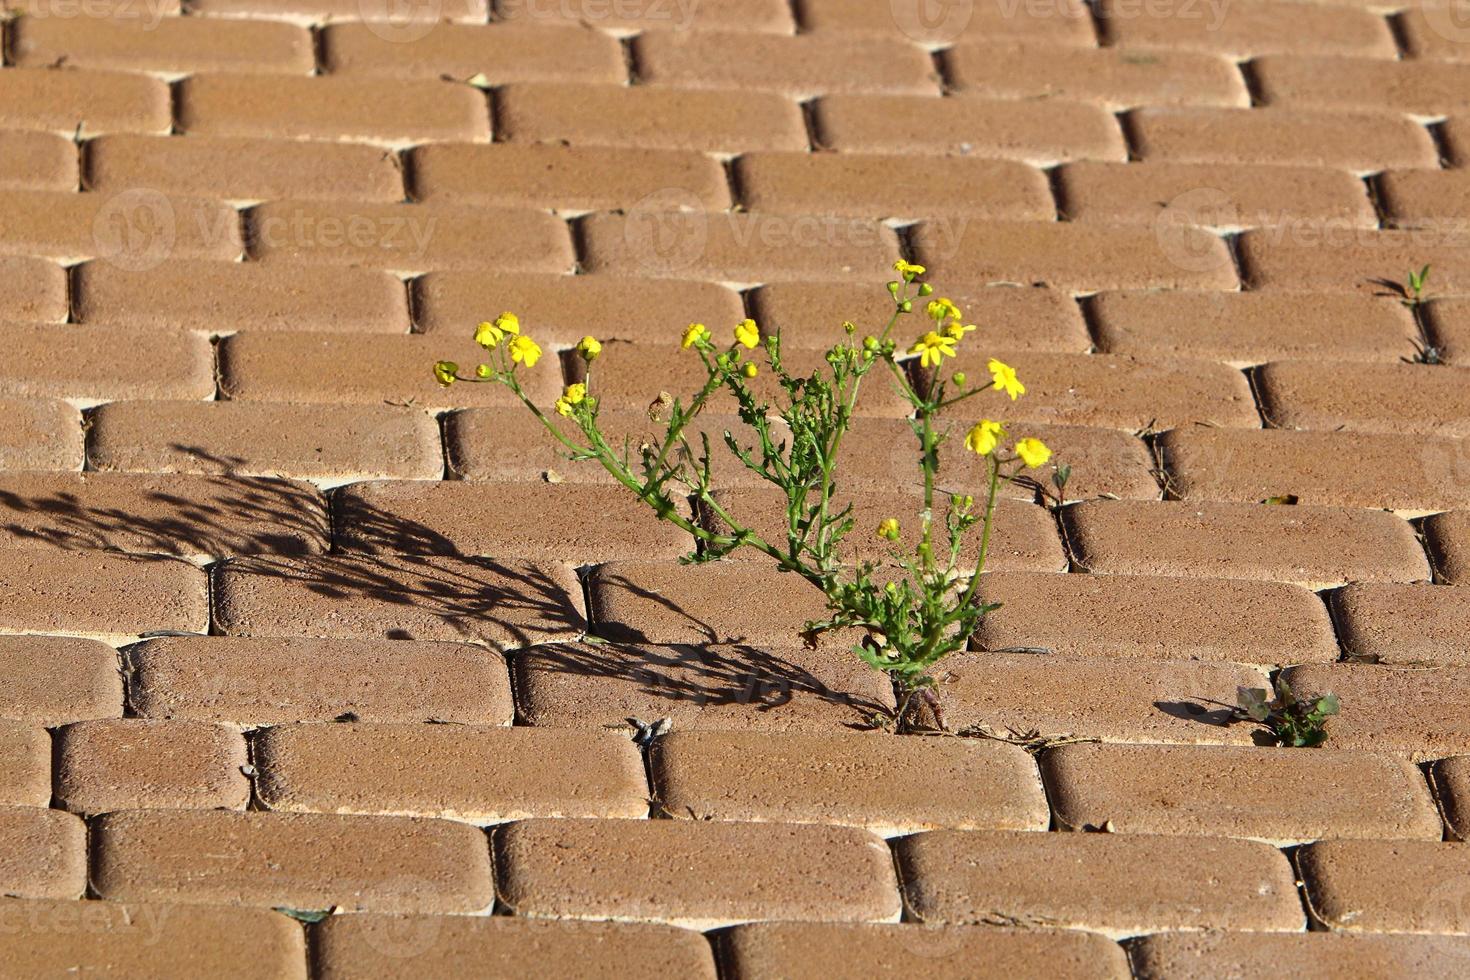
[1293, 721]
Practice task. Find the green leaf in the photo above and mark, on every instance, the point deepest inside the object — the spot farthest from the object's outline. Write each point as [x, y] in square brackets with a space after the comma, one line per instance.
[309, 916]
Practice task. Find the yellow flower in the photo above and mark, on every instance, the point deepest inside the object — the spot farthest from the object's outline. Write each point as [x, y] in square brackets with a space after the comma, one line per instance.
[933, 348]
[573, 395]
[750, 370]
[908, 270]
[483, 371]
[747, 333]
[589, 348]
[956, 331]
[888, 528]
[942, 309]
[525, 350]
[488, 335]
[1033, 452]
[984, 437]
[696, 333]
[1005, 379]
[444, 372]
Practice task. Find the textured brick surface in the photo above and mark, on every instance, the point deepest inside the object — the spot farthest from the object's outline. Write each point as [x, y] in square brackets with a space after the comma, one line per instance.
[39, 434]
[1398, 399]
[52, 680]
[1200, 955]
[1233, 791]
[1450, 779]
[402, 23]
[248, 681]
[1420, 706]
[1313, 546]
[34, 290]
[499, 52]
[1246, 29]
[1144, 616]
[773, 16]
[181, 45]
[37, 161]
[1426, 198]
[297, 860]
[94, 101]
[127, 764]
[1066, 22]
[1117, 884]
[889, 785]
[1356, 261]
[1423, 88]
[694, 873]
[52, 361]
[1448, 538]
[25, 758]
[455, 771]
[1386, 886]
[1403, 624]
[1302, 137]
[44, 853]
[92, 594]
[128, 230]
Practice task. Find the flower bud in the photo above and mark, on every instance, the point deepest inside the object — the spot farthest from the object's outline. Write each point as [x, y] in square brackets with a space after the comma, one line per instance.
[925, 289]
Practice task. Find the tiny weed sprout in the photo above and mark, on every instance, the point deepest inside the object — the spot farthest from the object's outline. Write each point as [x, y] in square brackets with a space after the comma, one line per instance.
[917, 601]
[1415, 289]
[1294, 722]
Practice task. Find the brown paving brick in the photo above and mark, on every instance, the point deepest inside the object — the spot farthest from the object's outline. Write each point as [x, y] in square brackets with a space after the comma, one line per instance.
[1447, 325]
[1336, 468]
[802, 65]
[482, 775]
[168, 942]
[410, 238]
[699, 688]
[357, 947]
[1075, 256]
[25, 759]
[1394, 399]
[133, 229]
[809, 314]
[37, 161]
[1426, 199]
[1024, 539]
[773, 16]
[1238, 791]
[693, 873]
[890, 785]
[1245, 29]
[1312, 546]
[94, 101]
[34, 290]
[242, 169]
[1111, 78]
[326, 443]
[374, 369]
[194, 518]
[221, 297]
[1423, 88]
[1433, 32]
[1249, 328]
[1414, 710]
[1065, 22]
[892, 186]
[1448, 538]
[1116, 700]
[808, 951]
[1036, 132]
[1143, 616]
[1200, 955]
[106, 9]
[249, 681]
[1117, 391]
[296, 860]
[499, 52]
[503, 606]
[568, 178]
[537, 521]
[737, 246]
[1386, 886]
[39, 434]
[406, 24]
[1403, 624]
[1166, 196]
[1450, 780]
[1306, 138]
[378, 110]
[99, 595]
[129, 763]
[43, 853]
[1117, 884]
[648, 117]
[96, 363]
[52, 680]
[164, 44]
[1345, 260]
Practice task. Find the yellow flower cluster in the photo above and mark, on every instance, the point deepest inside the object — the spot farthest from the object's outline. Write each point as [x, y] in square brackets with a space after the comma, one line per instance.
[888, 528]
[984, 436]
[523, 350]
[575, 394]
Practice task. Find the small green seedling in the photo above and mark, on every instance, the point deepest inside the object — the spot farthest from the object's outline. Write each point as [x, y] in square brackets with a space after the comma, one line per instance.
[309, 916]
[1416, 286]
[1298, 723]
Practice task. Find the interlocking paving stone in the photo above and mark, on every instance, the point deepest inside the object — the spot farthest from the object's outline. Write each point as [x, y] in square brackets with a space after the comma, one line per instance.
[1415, 710]
[734, 688]
[97, 595]
[1431, 35]
[39, 434]
[478, 774]
[180, 45]
[1064, 22]
[130, 229]
[44, 853]
[501, 53]
[1353, 261]
[242, 169]
[1392, 399]
[1418, 87]
[1312, 546]
[251, 681]
[25, 758]
[1447, 327]
[1236, 791]
[1450, 779]
[356, 947]
[693, 873]
[890, 785]
[811, 950]
[1387, 885]
[1116, 884]
[328, 443]
[168, 942]
[93, 102]
[52, 680]
[403, 23]
[1403, 625]
[1249, 28]
[1200, 955]
[505, 606]
[1145, 616]
[295, 860]
[93, 364]
[1448, 538]
[128, 763]
[1435, 199]
[33, 290]
[773, 16]
[37, 161]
